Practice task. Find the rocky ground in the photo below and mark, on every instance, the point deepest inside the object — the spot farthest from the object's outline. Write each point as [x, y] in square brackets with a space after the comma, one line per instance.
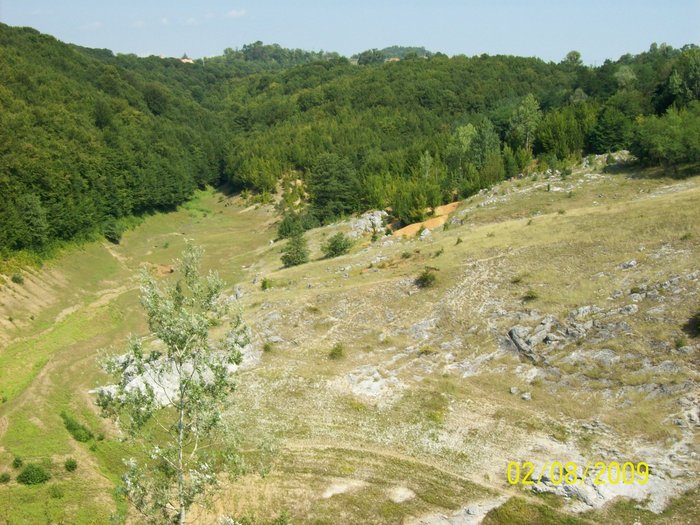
[486, 368]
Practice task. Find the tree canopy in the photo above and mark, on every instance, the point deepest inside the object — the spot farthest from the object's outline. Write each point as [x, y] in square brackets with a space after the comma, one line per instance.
[88, 138]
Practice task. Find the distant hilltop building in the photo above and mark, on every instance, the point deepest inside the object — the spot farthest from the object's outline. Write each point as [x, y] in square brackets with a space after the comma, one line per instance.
[392, 59]
[186, 60]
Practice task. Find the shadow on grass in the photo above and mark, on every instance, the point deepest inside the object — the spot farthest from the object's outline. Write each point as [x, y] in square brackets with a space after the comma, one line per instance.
[637, 170]
[692, 327]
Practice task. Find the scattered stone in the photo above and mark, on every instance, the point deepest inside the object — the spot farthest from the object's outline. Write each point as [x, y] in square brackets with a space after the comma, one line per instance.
[605, 357]
[518, 335]
[583, 311]
[421, 330]
[628, 265]
[272, 317]
[527, 396]
[514, 390]
[425, 234]
[369, 222]
[630, 309]
[542, 331]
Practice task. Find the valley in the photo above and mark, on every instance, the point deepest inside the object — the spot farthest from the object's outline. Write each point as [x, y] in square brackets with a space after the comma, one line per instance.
[559, 328]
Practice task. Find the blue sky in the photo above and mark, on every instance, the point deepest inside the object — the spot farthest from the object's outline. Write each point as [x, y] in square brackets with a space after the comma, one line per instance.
[547, 29]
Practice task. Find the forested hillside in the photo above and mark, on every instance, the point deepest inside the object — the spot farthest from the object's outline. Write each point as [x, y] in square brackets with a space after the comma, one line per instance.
[88, 138]
[85, 141]
[418, 132]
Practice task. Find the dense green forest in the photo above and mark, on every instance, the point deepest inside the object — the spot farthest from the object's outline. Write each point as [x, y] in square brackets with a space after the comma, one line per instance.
[88, 138]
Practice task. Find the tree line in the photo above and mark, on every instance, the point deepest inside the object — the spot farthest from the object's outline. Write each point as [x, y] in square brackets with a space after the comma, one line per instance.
[88, 138]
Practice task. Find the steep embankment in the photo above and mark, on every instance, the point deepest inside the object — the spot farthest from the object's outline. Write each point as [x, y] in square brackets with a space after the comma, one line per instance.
[558, 330]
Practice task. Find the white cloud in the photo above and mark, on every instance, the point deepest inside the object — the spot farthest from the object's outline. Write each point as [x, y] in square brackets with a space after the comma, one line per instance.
[236, 13]
[164, 21]
[138, 23]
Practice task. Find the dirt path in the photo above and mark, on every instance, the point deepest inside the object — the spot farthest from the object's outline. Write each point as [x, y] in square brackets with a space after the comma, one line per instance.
[440, 216]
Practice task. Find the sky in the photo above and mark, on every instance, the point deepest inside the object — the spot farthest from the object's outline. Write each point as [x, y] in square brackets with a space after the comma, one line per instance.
[544, 28]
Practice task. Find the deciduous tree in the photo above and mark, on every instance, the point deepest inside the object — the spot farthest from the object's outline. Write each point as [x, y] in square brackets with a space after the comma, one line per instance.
[171, 391]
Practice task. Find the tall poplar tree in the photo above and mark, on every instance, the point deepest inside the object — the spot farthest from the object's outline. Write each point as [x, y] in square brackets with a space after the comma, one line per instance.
[171, 390]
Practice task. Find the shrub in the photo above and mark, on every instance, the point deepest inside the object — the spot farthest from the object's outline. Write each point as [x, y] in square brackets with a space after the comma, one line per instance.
[291, 225]
[71, 464]
[295, 252]
[439, 252]
[113, 231]
[17, 278]
[5, 478]
[337, 352]
[267, 347]
[337, 245]
[530, 295]
[266, 283]
[17, 462]
[33, 475]
[79, 431]
[458, 241]
[426, 279]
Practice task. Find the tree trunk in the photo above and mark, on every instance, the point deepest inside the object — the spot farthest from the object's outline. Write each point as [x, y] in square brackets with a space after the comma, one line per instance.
[181, 473]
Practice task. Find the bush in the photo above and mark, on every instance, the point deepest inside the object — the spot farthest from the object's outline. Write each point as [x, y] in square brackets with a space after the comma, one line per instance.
[337, 352]
[113, 231]
[267, 347]
[291, 225]
[458, 241]
[295, 252]
[17, 278]
[266, 283]
[530, 295]
[337, 245]
[17, 462]
[71, 464]
[33, 475]
[5, 478]
[426, 279]
[79, 431]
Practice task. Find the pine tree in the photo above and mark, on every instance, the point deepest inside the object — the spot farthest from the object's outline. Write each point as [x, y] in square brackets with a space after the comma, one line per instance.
[296, 251]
